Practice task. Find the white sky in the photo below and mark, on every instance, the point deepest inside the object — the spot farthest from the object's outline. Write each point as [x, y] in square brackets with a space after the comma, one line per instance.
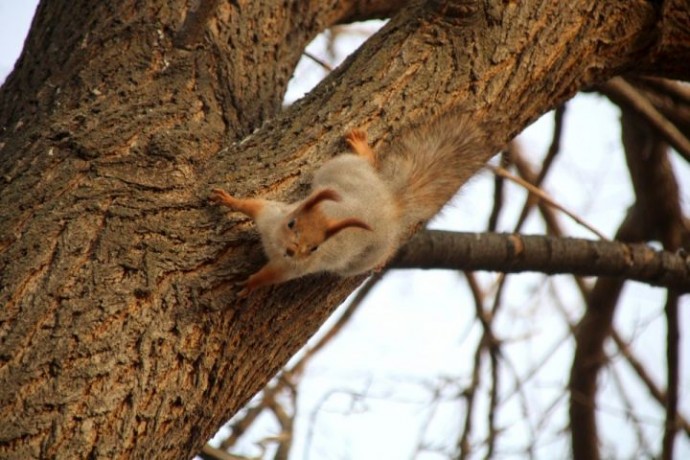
[15, 18]
[419, 325]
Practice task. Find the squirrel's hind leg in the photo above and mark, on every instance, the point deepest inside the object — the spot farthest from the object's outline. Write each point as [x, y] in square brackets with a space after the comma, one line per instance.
[251, 207]
[357, 141]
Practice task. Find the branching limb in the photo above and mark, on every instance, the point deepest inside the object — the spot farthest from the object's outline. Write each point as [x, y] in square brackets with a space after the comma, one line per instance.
[656, 214]
[625, 95]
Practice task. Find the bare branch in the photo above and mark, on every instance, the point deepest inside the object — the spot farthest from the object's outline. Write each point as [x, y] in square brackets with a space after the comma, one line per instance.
[490, 343]
[464, 446]
[344, 318]
[671, 98]
[673, 372]
[621, 389]
[554, 149]
[509, 253]
[639, 369]
[286, 422]
[211, 453]
[544, 196]
[327, 67]
[656, 214]
[623, 347]
[498, 190]
[624, 94]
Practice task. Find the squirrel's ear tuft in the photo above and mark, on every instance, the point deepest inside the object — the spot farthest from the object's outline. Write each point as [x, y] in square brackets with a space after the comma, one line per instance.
[319, 196]
[336, 226]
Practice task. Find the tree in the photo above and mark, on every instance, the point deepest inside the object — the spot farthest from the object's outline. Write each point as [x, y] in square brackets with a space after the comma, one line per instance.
[121, 334]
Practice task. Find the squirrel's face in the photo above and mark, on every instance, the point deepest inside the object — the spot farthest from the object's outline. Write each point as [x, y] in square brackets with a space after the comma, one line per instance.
[304, 232]
[307, 227]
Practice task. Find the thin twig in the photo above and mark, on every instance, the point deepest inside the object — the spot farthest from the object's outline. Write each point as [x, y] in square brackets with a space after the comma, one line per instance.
[209, 452]
[320, 62]
[554, 149]
[344, 318]
[498, 194]
[288, 377]
[621, 390]
[673, 338]
[541, 194]
[464, 445]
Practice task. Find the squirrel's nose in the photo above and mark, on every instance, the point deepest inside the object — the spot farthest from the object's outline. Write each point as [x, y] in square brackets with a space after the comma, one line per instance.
[289, 252]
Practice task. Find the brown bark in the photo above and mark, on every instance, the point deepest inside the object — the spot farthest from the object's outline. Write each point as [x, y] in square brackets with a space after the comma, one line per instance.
[120, 333]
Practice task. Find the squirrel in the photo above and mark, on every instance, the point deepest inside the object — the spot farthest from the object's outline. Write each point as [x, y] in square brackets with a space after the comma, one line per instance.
[363, 205]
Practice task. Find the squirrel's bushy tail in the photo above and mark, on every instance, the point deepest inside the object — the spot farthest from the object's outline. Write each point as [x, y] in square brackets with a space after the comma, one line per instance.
[427, 166]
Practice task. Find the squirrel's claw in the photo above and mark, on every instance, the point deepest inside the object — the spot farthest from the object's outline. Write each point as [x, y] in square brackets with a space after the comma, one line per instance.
[356, 139]
[220, 196]
[245, 291]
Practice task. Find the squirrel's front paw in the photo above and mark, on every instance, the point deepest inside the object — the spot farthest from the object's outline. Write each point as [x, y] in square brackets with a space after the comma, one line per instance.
[245, 291]
[220, 196]
[357, 141]
[356, 138]
[248, 286]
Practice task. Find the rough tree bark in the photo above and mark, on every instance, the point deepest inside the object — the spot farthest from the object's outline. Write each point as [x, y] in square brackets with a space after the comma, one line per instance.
[120, 332]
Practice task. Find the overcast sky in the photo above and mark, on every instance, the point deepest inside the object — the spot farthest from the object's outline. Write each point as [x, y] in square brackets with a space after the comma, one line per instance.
[15, 18]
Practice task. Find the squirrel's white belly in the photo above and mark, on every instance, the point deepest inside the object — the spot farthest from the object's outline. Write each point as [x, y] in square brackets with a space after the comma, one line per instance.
[366, 197]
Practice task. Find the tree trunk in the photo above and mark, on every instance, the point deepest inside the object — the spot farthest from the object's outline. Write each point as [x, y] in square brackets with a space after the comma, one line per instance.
[121, 335]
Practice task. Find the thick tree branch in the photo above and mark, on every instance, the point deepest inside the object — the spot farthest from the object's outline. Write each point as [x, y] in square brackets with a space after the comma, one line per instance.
[361, 10]
[512, 253]
[671, 58]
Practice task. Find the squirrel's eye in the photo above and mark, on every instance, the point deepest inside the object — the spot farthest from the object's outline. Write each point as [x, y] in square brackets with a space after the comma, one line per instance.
[313, 248]
[291, 223]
